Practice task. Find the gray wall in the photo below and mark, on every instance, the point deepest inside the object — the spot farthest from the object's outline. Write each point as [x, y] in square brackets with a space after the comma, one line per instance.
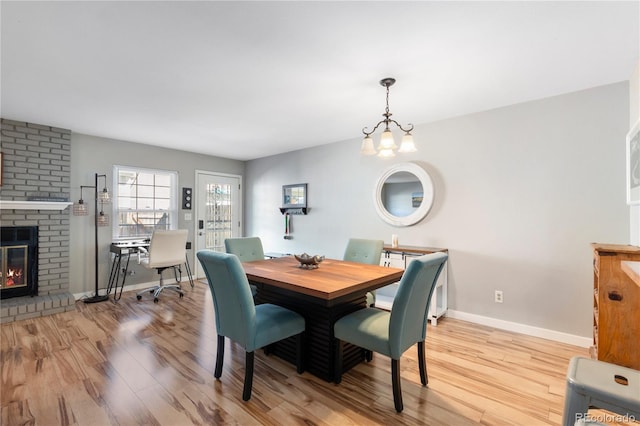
[520, 192]
[90, 155]
[634, 117]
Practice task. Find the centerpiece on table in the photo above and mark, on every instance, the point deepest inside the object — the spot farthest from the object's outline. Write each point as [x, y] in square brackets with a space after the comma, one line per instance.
[308, 262]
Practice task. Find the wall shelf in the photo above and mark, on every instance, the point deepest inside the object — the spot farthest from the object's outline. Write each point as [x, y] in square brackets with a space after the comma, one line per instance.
[294, 210]
[33, 205]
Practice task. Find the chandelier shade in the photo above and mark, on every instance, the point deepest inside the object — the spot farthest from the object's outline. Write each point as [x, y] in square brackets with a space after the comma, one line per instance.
[407, 144]
[387, 146]
[367, 146]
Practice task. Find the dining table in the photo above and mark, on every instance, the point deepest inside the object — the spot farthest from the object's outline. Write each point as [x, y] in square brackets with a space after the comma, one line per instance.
[322, 296]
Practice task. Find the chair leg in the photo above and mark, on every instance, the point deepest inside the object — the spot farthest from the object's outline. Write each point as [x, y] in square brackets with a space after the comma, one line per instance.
[299, 353]
[395, 380]
[219, 357]
[248, 376]
[424, 378]
[337, 364]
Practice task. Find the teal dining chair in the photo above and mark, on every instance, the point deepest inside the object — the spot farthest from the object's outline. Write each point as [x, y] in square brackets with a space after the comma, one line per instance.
[392, 333]
[247, 249]
[238, 318]
[364, 251]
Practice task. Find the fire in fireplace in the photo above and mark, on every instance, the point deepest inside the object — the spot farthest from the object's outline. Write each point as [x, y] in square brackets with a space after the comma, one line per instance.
[19, 260]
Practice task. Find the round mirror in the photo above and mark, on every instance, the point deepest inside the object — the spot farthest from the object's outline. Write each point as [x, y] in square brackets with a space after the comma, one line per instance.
[403, 194]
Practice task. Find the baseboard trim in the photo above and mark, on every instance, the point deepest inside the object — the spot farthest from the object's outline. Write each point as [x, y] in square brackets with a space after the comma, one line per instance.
[529, 330]
[139, 286]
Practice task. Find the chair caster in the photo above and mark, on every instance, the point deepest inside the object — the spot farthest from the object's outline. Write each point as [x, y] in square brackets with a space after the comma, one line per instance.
[151, 291]
[181, 295]
[138, 297]
[155, 300]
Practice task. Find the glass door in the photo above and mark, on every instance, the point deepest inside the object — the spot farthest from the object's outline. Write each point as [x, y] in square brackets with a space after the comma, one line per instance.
[218, 211]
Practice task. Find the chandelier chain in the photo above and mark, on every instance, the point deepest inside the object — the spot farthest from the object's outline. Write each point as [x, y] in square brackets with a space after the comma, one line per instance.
[387, 83]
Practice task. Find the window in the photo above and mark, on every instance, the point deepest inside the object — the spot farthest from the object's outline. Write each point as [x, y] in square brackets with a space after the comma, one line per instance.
[144, 200]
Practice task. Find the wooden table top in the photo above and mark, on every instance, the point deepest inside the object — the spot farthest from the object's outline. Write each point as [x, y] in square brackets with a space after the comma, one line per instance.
[332, 279]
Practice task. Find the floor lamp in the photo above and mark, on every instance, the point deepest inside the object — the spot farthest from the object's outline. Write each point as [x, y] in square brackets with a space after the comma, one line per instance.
[101, 219]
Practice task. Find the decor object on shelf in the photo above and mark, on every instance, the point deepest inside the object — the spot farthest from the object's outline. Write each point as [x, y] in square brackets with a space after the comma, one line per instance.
[387, 146]
[101, 219]
[308, 262]
[633, 165]
[294, 199]
[47, 197]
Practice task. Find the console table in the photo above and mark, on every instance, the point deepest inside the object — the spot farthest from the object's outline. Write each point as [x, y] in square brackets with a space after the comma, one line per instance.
[400, 257]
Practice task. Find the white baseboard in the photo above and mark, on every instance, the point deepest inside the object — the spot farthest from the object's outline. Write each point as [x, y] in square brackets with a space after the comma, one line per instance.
[529, 330]
[139, 286]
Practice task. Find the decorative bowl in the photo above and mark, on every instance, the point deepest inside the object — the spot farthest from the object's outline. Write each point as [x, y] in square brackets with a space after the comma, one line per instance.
[308, 262]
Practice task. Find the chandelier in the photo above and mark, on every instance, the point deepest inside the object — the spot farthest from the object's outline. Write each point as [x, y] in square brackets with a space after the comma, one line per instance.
[387, 146]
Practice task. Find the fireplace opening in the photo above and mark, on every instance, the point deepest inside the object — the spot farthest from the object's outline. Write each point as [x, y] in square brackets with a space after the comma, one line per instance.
[19, 261]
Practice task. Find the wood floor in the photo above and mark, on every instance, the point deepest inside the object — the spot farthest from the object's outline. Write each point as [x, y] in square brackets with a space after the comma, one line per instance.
[136, 362]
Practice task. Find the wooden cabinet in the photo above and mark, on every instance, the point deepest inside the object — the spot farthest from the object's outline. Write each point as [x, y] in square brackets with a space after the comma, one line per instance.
[616, 305]
[400, 257]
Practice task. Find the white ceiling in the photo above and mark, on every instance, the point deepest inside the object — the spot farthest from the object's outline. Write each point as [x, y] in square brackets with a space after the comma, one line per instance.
[246, 80]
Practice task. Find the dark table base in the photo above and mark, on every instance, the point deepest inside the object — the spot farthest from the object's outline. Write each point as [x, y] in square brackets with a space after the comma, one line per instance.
[320, 316]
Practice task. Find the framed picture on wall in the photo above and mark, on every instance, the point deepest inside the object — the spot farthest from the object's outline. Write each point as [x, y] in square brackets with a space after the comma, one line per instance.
[633, 164]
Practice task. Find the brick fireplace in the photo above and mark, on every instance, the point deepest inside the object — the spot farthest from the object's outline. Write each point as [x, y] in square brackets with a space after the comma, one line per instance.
[37, 163]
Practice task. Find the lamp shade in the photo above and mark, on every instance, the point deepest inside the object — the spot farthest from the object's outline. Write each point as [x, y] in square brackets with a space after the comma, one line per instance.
[407, 144]
[386, 153]
[103, 219]
[367, 147]
[386, 140]
[80, 208]
[104, 197]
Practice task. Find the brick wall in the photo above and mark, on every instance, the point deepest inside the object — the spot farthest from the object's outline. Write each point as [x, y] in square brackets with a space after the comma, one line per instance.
[37, 161]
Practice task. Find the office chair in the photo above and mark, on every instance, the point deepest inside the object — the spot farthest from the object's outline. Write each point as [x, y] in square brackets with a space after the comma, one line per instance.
[364, 251]
[238, 318]
[167, 250]
[392, 333]
[247, 249]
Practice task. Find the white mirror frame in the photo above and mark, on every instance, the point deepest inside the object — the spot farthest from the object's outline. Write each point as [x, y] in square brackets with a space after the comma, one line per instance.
[420, 212]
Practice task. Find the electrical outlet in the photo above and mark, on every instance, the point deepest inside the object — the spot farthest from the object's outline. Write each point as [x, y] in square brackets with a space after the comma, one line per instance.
[498, 296]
